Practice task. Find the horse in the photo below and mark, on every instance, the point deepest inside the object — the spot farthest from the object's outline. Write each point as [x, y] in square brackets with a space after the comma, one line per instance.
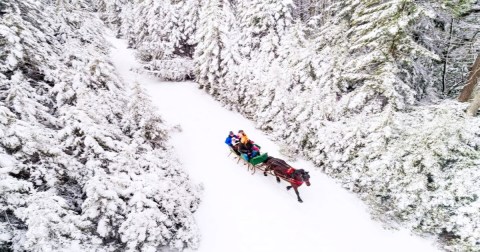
[295, 177]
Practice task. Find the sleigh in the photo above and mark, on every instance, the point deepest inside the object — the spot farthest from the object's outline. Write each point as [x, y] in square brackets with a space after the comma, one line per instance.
[257, 162]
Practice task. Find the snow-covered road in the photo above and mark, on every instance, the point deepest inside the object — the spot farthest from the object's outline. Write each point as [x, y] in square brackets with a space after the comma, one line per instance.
[250, 213]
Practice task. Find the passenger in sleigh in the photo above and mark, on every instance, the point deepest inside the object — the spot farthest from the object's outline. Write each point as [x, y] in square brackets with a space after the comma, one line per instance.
[244, 151]
[248, 150]
[243, 137]
[232, 141]
[255, 149]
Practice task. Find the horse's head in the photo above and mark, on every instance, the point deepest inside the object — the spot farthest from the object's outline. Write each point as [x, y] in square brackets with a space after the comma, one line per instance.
[306, 178]
[302, 176]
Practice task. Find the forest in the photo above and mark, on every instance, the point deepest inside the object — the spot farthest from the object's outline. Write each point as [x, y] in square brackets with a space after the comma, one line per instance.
[381, 95]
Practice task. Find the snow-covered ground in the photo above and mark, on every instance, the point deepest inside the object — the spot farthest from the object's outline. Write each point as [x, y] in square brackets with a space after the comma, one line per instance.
[249, 213]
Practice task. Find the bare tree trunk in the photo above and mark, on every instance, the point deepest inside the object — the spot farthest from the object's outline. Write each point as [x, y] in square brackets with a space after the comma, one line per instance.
[471, 82]
[473, 108]
[446, 56]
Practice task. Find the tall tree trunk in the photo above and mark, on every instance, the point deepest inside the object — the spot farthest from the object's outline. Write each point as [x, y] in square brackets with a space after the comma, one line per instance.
[473, 108]
[472, 81]
[446, 56]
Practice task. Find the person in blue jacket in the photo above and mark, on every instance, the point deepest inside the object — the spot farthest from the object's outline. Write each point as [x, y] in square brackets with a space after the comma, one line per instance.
[232, 139]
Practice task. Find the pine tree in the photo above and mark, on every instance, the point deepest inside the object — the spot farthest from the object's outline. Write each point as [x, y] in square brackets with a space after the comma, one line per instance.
[140, 124]
[188, 21]
[262, 25]
[386, 41]
[212, 36]
[53, 226]
[111, 10]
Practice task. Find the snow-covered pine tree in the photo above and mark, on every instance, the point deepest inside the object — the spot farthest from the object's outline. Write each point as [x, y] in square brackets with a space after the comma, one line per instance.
[140, 124]
[290, 84]
[53, 225]
[212, 36]
[162, 29]
[231, 58]
[127, 23]
[29, 138]
[189, 11]
[110, 10]
[383, 45]
[159, 213]
[262, 24]
[174, 62]
[302, 9]
[149, 161]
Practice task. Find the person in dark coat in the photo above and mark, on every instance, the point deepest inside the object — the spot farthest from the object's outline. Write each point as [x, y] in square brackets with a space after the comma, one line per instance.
[244, 151]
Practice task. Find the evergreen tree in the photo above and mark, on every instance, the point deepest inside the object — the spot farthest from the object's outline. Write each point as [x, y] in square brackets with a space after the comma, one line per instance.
[188, 20]
[53, 225]
[262, 25]
[387, 42]
[140, 123]
[212, 36]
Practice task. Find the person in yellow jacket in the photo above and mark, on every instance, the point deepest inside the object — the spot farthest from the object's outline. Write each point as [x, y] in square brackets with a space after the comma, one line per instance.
[243, 137]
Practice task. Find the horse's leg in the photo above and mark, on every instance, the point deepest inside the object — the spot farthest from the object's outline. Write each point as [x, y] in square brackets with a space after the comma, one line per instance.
[266, 170]
[289, 187]
[298, 194]
[276, 176]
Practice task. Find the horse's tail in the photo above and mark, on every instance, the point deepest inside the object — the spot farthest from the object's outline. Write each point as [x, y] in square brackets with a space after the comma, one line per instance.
[268, 162]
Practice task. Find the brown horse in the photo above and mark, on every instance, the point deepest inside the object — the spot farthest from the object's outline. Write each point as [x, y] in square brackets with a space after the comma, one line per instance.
[281, 169]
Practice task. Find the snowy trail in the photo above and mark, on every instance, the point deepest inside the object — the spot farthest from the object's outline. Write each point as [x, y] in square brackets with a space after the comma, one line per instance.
[249, 213]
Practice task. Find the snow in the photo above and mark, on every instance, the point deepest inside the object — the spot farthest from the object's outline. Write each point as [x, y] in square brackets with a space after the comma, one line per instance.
[244, 212]
[6, 161]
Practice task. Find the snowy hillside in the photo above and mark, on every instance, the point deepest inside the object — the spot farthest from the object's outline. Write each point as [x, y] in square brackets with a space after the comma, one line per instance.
[381, 96]
[365, 89]
[244, 212]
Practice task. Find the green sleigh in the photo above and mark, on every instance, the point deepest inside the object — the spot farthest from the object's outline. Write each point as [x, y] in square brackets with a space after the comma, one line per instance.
[254, 163]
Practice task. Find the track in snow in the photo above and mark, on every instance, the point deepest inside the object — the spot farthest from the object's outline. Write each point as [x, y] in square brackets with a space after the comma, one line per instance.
[249, 213]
